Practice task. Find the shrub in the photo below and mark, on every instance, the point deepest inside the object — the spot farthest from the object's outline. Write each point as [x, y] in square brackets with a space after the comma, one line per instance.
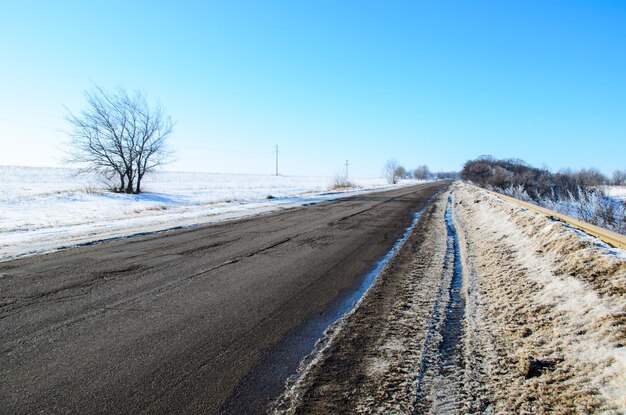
[341, 182]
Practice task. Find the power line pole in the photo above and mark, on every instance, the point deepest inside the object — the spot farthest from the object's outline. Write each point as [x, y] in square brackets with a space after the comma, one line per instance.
[347, 164]
[276, 159]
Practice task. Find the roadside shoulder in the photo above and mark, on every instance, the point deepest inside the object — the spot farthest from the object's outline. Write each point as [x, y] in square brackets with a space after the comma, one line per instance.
[553, 304]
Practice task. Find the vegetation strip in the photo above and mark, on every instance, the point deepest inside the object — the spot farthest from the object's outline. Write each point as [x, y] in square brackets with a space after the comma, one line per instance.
[612, 238]
[582, 194]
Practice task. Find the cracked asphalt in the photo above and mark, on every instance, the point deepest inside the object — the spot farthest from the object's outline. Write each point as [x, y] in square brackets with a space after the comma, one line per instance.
[176, 322]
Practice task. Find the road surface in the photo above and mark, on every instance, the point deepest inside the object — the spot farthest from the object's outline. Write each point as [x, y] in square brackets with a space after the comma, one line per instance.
[186, 321]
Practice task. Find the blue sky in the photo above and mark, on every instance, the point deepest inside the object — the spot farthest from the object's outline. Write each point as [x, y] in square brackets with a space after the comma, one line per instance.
[426, 82]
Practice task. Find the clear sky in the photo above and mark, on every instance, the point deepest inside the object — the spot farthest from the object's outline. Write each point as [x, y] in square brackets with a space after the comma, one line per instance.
[426, 82]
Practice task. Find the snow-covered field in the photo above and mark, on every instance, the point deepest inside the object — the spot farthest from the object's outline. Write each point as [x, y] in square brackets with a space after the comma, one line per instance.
[45, 209]
[616, 192]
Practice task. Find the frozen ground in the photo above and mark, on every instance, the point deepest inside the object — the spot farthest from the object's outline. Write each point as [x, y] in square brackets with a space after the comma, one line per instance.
[548, 310]
[536, 324]
[45, 209]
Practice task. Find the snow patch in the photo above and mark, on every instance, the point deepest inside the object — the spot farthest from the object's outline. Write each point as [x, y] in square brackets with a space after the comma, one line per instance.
[616, 192]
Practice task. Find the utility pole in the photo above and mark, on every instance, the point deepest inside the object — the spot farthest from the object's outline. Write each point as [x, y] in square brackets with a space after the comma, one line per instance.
[347, 164]
[276, 159]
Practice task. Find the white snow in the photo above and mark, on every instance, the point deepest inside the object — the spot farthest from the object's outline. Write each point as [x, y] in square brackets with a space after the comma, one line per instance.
[616, 192]
[46, 209]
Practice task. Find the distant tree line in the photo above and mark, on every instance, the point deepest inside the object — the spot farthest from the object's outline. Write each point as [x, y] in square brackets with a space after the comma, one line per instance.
[450, 175]
[488, 172]
[394, 172]
[578, 193]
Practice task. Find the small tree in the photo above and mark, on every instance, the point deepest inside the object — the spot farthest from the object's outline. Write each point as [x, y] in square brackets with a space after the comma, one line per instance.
[401, 172]
[591, 177]
[393, 171]
[421, 173]
[619, 177]
[120, 137]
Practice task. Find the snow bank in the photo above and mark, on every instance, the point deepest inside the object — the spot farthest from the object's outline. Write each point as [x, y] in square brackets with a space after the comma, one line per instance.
[45, 209]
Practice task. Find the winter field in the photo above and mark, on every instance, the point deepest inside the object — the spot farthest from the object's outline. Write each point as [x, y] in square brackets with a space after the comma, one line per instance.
[46, 209]
[483, 307]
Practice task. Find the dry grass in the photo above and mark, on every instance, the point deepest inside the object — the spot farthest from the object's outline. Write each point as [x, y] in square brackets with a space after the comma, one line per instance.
[341, 182]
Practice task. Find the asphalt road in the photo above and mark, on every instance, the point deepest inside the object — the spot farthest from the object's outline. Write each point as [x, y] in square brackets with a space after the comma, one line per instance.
[177, 322]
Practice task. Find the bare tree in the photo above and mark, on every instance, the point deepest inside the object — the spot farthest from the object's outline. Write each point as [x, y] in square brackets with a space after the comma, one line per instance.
[119, 136]
[447, 175]
[591, 177]
[401, 172]
[393, 171]
[619, 177]
[421, 173]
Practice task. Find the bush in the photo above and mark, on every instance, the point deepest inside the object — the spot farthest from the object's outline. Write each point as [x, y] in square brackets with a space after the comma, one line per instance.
[491, 173]
[592, 206]
[393, 171]
[341, 182]
[576, 194]
[518, 192]
[421, 173]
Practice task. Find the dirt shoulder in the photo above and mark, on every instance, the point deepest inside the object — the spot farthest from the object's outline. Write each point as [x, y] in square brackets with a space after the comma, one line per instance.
[535, 323]
[367, 361]
[548, 308]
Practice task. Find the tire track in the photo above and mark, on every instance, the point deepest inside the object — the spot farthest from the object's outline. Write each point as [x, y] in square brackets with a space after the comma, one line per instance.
[403, 349]
[439, 381]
